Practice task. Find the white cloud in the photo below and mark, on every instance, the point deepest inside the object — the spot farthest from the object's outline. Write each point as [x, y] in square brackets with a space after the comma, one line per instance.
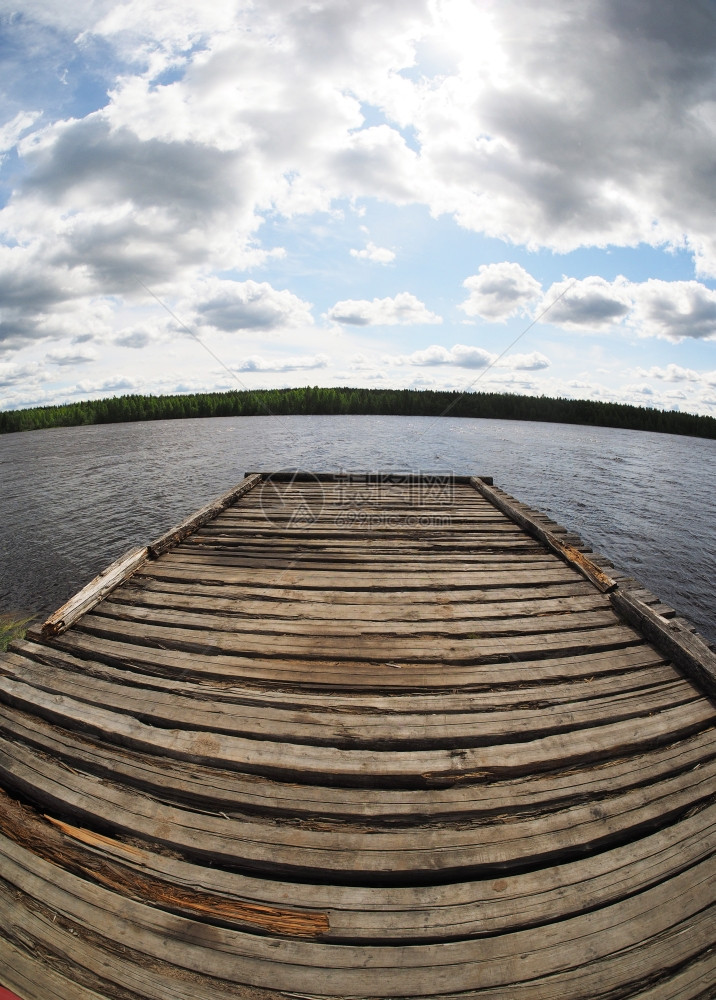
[214, 123]
[361, 362]
[592, 303]
[471, 357]
[375, 254]
[595, 131]
[403, 309]
[671, 373]
[677, 374]
[11, 131]
[563, 142]
[640, 389]
[375, 162]
[114, 384]
[13, 374]
[499, 291]
[246, 305]
[460, 356]
[434, 355]
[674, 310]
[527, 362]
[69, 358]
[136, 339]
[256, 363]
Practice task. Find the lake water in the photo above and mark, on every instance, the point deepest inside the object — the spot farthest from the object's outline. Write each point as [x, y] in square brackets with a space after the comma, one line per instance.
[73, 499]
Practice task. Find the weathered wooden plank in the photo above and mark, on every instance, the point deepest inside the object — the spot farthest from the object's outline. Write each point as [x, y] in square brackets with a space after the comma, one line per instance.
[437, 533]
[270, 596]
[636, 669]
[235, 522]
[199, 556]
[689, 651]
[386, 562]
[336, 725]
[35, 979]
[517, 903]
[76, 952]
[70, 851]
[363, 508]
[90, 595]
[365, 479]
[337, 674]
[306, 762]
[210, 623]
[274, 545]
[694, 980]
[659, 968]
[353, 913]
[426, 970]
[473, 794]
[376, 649]
[154, 595]
[190, 901]
[173, 565]
[204, 514]
[684, 948]
[390, 496]
[377, 524]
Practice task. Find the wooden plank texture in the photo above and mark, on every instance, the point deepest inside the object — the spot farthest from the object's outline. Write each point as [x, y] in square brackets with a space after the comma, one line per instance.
[90, 595]
[359, 736]
[568, 552]
[194, 521]
[684, 648]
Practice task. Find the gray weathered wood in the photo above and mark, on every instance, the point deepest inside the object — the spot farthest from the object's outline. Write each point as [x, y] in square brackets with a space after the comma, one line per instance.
[96, 589]
[689, 651]
[587, 567]
[207, 663]
[361, 913]
[214, 790]
[360, 766]
[196, 520]
[424, 970]
[397, 748]
[337, 725]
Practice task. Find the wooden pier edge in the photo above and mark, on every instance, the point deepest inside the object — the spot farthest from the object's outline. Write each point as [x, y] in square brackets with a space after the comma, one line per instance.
[689, 651]
[583, 564]
[398, 478]
[686, 649]
[201, 516]
[98, 588]
[123, 568]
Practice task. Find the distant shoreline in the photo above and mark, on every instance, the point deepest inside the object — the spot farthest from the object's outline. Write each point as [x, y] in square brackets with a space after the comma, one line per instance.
[316, 400]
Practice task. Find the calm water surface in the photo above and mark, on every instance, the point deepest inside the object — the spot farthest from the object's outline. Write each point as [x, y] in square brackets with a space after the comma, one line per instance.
[73, 499]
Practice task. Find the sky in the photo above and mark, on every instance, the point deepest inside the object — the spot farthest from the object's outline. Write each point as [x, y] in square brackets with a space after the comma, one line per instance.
[477, 195]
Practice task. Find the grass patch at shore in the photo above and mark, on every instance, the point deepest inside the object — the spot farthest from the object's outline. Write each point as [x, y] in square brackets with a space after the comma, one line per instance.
[12, 627]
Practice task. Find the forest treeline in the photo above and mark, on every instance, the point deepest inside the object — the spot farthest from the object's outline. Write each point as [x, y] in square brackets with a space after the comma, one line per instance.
[399, 402]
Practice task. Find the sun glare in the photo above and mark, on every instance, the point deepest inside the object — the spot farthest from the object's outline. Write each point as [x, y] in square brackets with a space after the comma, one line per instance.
[465, 35]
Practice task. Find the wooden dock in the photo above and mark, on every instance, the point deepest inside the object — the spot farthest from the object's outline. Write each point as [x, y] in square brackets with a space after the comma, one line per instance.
[359, 736]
